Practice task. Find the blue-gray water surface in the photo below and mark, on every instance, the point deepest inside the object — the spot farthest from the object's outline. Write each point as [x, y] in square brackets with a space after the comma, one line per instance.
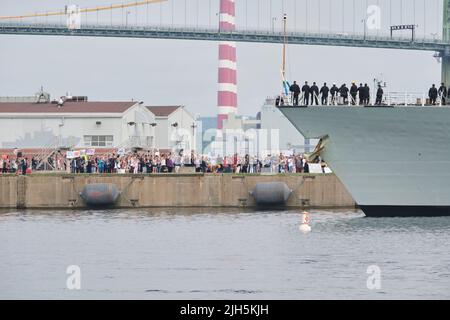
[222, 254]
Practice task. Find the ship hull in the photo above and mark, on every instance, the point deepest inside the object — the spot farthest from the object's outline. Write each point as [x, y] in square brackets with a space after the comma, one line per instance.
[405, 211]
[395, 162]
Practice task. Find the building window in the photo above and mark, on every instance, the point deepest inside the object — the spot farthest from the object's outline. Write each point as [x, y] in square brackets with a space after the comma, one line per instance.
[98, 141]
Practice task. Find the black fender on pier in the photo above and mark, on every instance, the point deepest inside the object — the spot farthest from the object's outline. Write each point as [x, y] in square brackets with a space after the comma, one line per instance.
[100, 194]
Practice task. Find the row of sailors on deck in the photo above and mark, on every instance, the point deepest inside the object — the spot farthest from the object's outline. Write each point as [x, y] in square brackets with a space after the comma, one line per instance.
[311, 94]
[442, 93]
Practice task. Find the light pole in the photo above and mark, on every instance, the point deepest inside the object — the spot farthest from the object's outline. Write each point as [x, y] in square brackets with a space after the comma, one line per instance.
[193, 126]
[126, 18]
[365, 27]
[273, 24]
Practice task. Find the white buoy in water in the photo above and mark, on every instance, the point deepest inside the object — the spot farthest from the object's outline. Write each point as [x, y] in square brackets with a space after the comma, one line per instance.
[305, 227]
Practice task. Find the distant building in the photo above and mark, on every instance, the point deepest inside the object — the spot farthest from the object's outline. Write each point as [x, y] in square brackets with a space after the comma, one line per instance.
[205, 133]
[175, 129]
[235, 122]
[75, 123]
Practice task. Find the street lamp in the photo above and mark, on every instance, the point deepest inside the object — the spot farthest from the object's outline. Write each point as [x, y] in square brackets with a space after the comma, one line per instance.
[364, 21]
[126, 18]
[193, 126]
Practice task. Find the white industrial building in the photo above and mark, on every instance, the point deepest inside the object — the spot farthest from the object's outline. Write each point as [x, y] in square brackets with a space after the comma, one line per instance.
[75, 123]
[175, 127]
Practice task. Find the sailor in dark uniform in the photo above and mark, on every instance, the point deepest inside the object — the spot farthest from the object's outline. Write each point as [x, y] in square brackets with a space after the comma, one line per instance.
[433, 94]
[324, 93]
[315, 94]
[379, 96]
[306, 89]
[295, 89]
[334, 91]
[353, 92]
[344, 93]
[361, 94]
[443, 93]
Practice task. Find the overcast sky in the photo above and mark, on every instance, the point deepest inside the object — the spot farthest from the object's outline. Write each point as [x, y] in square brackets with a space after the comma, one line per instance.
[167, 72]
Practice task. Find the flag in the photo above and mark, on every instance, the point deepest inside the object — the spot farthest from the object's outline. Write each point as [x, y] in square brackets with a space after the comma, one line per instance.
[286, 85]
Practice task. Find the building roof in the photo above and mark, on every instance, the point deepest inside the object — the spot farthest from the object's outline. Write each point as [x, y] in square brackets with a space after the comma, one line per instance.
[68, 107]
[163, 111]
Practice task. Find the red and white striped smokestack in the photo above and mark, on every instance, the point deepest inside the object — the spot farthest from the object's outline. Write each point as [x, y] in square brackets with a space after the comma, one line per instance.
[227, 94]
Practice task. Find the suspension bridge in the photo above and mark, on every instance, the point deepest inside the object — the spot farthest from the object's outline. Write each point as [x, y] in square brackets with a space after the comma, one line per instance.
[321, 22]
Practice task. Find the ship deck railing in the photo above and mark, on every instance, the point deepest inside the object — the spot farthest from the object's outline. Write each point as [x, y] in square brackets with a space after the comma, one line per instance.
[390, 99]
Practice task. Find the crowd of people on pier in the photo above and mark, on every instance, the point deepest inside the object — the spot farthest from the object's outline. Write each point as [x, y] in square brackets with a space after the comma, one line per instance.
[155, 162]
[353, 95]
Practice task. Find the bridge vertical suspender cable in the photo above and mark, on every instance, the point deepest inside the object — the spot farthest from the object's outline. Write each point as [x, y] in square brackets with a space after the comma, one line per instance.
[160, 14]
[378, 5]
[390, 13]
[354, 15]
[246, 15]
[424, 18]
[401, 11]
[197, 12]
[319, 13]
[258, 14]
[270, 12]
[330, 14]
[365, 17]
[438, 16]
[306, 11]
[295, 16]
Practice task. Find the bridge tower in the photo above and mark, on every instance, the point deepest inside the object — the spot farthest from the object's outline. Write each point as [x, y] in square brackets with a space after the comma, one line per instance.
[445, 55]
[227, 94]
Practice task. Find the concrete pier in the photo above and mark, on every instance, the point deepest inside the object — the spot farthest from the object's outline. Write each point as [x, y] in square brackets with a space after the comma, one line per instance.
[55, 191]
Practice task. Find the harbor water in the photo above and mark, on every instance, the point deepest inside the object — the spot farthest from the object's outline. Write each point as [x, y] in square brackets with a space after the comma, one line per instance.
[221, 254]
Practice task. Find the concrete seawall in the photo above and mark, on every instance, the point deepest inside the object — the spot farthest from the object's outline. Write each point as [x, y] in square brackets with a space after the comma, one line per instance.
[190, 190]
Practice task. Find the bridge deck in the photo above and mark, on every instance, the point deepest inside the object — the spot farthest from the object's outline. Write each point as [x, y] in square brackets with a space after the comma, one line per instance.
[342, 40]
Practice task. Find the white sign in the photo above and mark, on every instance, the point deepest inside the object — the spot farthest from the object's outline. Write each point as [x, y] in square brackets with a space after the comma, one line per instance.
[121, 151]
[315, 168]
[73, 17]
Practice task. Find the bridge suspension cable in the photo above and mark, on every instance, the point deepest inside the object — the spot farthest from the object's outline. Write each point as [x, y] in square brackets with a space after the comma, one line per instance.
[84, 10]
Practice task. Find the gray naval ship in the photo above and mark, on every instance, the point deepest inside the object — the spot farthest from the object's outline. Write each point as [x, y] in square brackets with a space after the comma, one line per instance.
[395, 161]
